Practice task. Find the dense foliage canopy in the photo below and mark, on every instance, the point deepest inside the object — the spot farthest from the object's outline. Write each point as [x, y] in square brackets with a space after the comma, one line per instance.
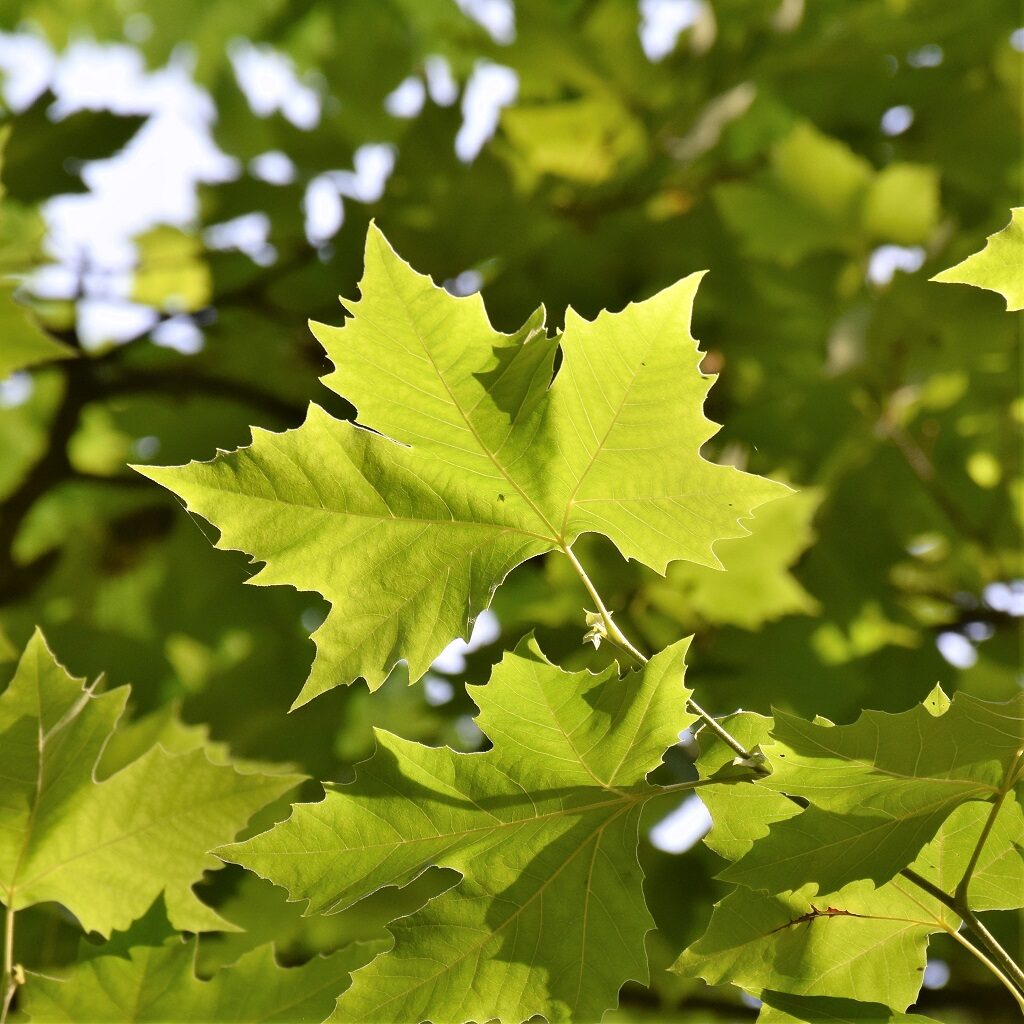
[440, 763]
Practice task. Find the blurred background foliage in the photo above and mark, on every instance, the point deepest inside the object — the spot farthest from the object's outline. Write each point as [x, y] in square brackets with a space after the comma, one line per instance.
[187, 182]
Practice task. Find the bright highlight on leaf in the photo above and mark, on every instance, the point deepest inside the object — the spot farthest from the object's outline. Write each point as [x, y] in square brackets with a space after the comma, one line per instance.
[999, 267]
[106, 849]
[549, 917]
[467, 460]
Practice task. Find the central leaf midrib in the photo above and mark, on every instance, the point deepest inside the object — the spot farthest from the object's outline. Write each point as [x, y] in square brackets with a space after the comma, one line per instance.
[556, 536]
[380, 517]
[594, 837]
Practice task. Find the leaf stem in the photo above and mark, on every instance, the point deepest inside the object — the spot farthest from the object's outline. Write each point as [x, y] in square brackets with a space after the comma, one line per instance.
[1007, 968]
[617, 637]
[10, 981]
[973, 949]
[991, 943]
[1007, 965]
[961, 894]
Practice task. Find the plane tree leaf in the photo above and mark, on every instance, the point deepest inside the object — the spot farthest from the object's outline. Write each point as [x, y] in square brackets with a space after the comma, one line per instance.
[999, 267]
[105, 849]
[878, 789]
[860, 942]
[757, 585]
[841, 945]
[740, 813]
[549, 917]
[467, 460]
[158, 984]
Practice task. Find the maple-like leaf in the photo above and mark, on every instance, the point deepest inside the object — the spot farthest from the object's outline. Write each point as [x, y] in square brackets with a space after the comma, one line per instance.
[757, 585]
[999, 267]
[107, 848]
[878, 789]
[474, 461]
[861, 942]
[549, 917]
[157, 984]
[740, 813]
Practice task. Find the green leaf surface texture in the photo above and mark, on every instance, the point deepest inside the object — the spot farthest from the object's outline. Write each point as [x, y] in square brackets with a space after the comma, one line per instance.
[999, 267]
[878, 789]
[105, 849]
[155, 984]
[469, 459]
[549, 917]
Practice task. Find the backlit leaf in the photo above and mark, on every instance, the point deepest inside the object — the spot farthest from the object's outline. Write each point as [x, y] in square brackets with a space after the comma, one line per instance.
[482, 464]
[549, 917]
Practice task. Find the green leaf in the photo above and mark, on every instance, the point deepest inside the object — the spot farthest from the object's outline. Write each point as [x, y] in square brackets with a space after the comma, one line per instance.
[756, 586]
[25, 343]
[549, 917]
[842, 945]
[997, 882]
[409, 540]
[782, 1008]
[879, 789]
[158, 984]
[106, 849]
[819, 195]
[902, 205]
[862, 942]
[741, 813]
[999, 267]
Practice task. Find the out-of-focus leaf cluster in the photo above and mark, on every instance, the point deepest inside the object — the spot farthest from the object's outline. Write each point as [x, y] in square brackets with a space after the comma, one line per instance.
[803, 153]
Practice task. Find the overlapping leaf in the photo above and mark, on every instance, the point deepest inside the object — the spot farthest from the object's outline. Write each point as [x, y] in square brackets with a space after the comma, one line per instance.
[483, 462]
[757, 585]
[158, 984]
[860, 943]
[106, 849]
[781, 1008]
[878, 789]
[999, 267]
[741, 813]
[549, 917]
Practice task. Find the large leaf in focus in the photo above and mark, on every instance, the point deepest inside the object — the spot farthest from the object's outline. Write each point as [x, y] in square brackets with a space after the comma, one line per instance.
[550, 916]
[482, 465]
[740, 813]
[999, 267]
[158, 983]
[878, 789]
[797, 943]
[106, 849]
[861, 942]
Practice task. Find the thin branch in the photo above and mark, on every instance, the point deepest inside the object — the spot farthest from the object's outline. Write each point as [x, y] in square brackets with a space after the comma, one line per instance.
[962, 888]
[616, 636]
[992, 944]
[971, 920]
[974, 951]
